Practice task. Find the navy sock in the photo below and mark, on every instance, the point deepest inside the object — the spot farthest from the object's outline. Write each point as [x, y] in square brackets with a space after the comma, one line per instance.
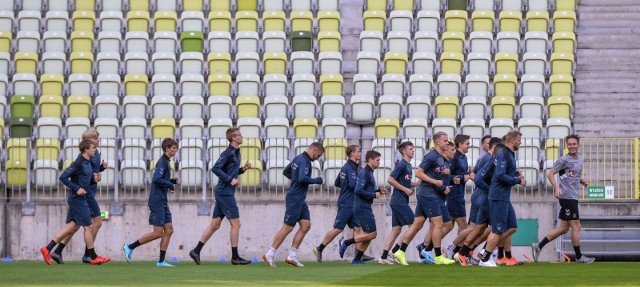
[162, 254]
[438, 251]
[59, 248]
[358, 255]
[395, 248]
[403, 247]
[465, 250]
[86, 252]
[500, 252]
[543, 242]
[578, 252]
[429, 247]
[455, 250]
[234, 253]
[321, 247]
[384, 255]
[51, 245]
[350, 241]
[134, 245]
[92, 253]
[198, 247]
[507, 254]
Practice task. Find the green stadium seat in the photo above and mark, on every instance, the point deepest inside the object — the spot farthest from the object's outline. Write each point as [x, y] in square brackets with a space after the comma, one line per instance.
[20, 127]
[22, 106]
[301, 41]
[192, 41]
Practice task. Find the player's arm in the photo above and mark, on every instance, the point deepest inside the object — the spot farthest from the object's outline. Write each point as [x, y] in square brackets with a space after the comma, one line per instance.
[217, 168]
[501, 171]
[362, 189]
[481, 179]
[302, 175]
[352, 178]
[67, 174]
[422, 175]
[158, 175]
[393, 182]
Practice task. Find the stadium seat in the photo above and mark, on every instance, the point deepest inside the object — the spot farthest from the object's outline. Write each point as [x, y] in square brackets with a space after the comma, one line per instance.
[421, 85]
[530, 170]
[457, 4]
[449, 85]
[428, 21]
[5, 41]
[371, 41]
[510, 21]
[5, 64]
[218, 126]
[368, 62]
[28, 41]
[374, 20]
[531, 128]
[477, 85]
[473, 127]
[451, 63]
[247, 63]
[50, 106]
[399, 41]
[481, 42]
[505, 85]
[109, 84]
[535, 42]
[531, 107]
[191, 128]
[163, 85]
[301, 21]
[219, 85]
[82, 41]
[83, 20]
[163, 106]
[192, 41]
[418, 107]
[274, 41]
[136, 63]
[537, 21]
[390, 106]
[110, 21]
[165, 42]
[331, 84]
[108, 129]
[133, 174]
[52, 84]
[506, 63]
[29, 21]
[20, 127]
[329, 41]
[330, 21]
[136, 84]
[499, 127]
[247, 106]
[474, 107]
[393, 84]
[24, 84]
[304, 106]
[303, 84]
[332, 106]
[387, 128]
[534, 63]
[275, 63]
[79, 106]
[138, 21]
[247, 41]
[508, 42]
[219, 42]
[107, 106]
[335, 148]
[16, 173]
[446, 107]
[331, 63]
[45, 172]
[569, 5]
[191, 173]
[482, 21]
[273, 21]
[110, 42]
[192, 21]
[219, 63]
[219, 20]
[192, 85]
[81, 62]
[453, 42]
[135, 106]
[456, 21]
[56, 21]
[276, 128]
[22, 106]
[136, 42]
[248, 85]
[242, 5]
[140, 5]
[276, 107]
[305, 127]
[362, 108]
[165, 21]
[274, 5]
[415, 127]
[35, 5]
[533, 85]
[401, 21]
[163, 63]
[503, 107]
[447, 125]
[302, 63]
[365, 84]
[529, 149]
[562, 63]
[253, 176]
[193, 106]
[564, 42]
[334, 128]
[564, 21]
[559, 107]
[163, 128]
[26, 62]
[76, 126]
[561, 85]
[376, 5]
[395, 62]
[274, 85]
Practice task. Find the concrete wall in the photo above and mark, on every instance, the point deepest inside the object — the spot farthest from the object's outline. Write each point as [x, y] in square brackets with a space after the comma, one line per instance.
[260, 222]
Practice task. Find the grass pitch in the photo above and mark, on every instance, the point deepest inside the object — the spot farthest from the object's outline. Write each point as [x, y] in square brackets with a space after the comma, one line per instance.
[30, 273]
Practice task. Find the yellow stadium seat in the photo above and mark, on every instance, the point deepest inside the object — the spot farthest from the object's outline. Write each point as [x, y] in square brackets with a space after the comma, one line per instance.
[219, 21]
[331, 84]
[135, 84]
[447, 107]
[79, 106]
[197, 5]
[50, 106]
[374, 20]
[48, 149]
[456, 21]
[219, 85]
[537, 21]
[251, 149]
[453, 42]
[163, 128]
[305, 127]
[247, 5]
[253, 176]
[329, 21]
[84, 20]
[503, 107]
[387, 128]
[505, 85]
[376, 5]
[506, 63]
[510, 21]
[219, 63]
[559, 107]
[564, 21]
[52, 84]
[451, 63]
[552, 149]
[329, 41]
[562, 63]
[247, 106]
[301, 21]
[221, 5]
[139, 5]
[5, 41]
[569, 5]
[17, 149]
[275, 63]
[334, 149]
[85, 5]
[166, 21]
[396, 62]
[561, 85]
[138, 21]
[16, 172]
[82, 41]
[403, 5]
[273, 21]
[482, 21]
[564, 42]
[246, 21]
[81, 62]
[26, 62]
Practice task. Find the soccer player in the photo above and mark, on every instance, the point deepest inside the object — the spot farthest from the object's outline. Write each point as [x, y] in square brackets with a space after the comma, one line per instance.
[227, 168]
[365, 193]
[78, 178]
[346, 181]
[160, 215]
[502, 215]
[297, 211]
[455, 198]
[98, 166]
[430, 172]
[401, 213]
[569, 169]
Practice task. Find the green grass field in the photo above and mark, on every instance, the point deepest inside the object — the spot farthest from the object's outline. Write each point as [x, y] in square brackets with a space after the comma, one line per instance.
[30, 273]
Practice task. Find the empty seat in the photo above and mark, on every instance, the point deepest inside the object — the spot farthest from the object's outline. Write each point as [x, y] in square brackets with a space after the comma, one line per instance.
[275, 63]
[219, 63]
[273, 21]
[276, 107]
[390, 106]
[561, 85]
[5, 41]
[302, 63]
[192, 41]
[479, 64]
[558, 128]
[79, 106]
[564, 21]
[473, 127]
[535, 42]
[562, 63]
[449, 85]
[247, 63]
[330, 62]
[219, 42]
[334, 128]
[534, 63]
[247, 41]
[166, 21]
[247, 106]
[330, 21]
[22, 106]
[135, 107]
[305, 127]
[415, 127]
[446, 107]
[219, 85]
[374, 20]
[304, 106]
[136, 63]
[559, 107]
[107, 106]
[277, 128]
[274, 41]
[110, 42]
[451, 63]
[75, 126]
[533, 85]
[503, 107]
[274, 5]
[191, 63]
[569, 5]
[531, 128]
[83, 20]
[362, 108]
[191, 128]
[499, 127]
[192, 21]
[482, 20]
[387, 128]
[365, 84]
[163, 63]
[393, 84]
[193, 106]
[481, 42]
[303, 84]
[28, 41]
[508, 42]
[331, 84]
[248, 85]
[192, 85]
[395, 62]
[428, 20]
[163, 85]
[506, 63]
[165, 42]
[52, 84]
[110, 21]
[401, 20]
[136, 84]
[510, 21]
[531, 107]
[219, 20]
[418, 107]
[20, 127]
[505, 85]
[50, 106]
[335, 148]
[474, 107]
[108, 129]
[109, 84]
[332, 106]
[275, 85]
[329, 41]
[247, 21]
[191, 173]
[421, 85]
[26, 62]
[29, 21]
[368, 62]
[133, 174]
[564, 42]
[371, 41]
[537, 21]
[24, 84]
[376, 5]
[138, 21]
[453, 42]
[446, 125]
[163, 128]
[163, 106]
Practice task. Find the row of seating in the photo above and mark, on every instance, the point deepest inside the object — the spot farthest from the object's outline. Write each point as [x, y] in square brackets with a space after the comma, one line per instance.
[465, 5]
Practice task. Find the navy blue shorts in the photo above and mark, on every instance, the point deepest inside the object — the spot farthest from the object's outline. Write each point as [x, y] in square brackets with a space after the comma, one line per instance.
[366, 219]
[401, 215]
[483, 215]
[226, 207]
[503, 216]
[345, 217]
[79, 212]
[296, 212]
[446, 217]
[428, 207]
[94, 207]
[473, 212]
[160, 215]
[456, 207]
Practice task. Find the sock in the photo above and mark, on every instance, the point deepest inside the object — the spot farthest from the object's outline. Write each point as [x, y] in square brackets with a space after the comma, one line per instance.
[321, 247]
[162, 254]
[86, 252]
[543, 242]
[92, 253]
[350, 241]
[358, 255]
[500, 252]
[486, 255]
[438, 251]
[198, 247]
[507, 254]
[271, 252]
[134, 245]
[578, 253]
[429, 247]
[293, 253]
[456, 249]
[51, 245]
[403, 247]
[234, 253]
[384, 254]
[59, 248]
[465, 250]
[395, 248]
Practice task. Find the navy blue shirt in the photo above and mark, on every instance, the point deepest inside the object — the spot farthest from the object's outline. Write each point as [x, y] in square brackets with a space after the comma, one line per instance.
[504, 177]
[300, 169]
[402, 174]
[432, 164]
[226, 168]
[365, 190]
[161, 182]
[476, 169]
[459, 168]
[96, 166]
[78, 175]
[483, 182]
[346, 181]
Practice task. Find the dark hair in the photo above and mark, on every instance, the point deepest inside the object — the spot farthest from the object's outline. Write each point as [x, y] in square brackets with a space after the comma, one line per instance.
[572, 136]
[230, 132]
[404, 145]
[494, 141]
[485, 138]
[317, 146]
[84, 145]
[499, 147]
[167, 143]
[460, 139]
[351, 149]
[371, 154]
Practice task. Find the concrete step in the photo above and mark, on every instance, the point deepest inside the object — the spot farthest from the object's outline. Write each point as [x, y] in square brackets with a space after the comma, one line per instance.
[608, 23]
[588, 75]
[589, 30]
[607, 88]
[600, 68]
[613, 41]
[606, 81]
[608, 15]
[607, 60]
[585, 3]
[585, 9]
[605, 52]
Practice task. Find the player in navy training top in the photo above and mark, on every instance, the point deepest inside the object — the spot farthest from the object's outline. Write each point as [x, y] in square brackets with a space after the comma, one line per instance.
[460, 173]
[227, 168]
[160, 215]
[297, 211]
[366, 191]
[401, 213]
[346, 181]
